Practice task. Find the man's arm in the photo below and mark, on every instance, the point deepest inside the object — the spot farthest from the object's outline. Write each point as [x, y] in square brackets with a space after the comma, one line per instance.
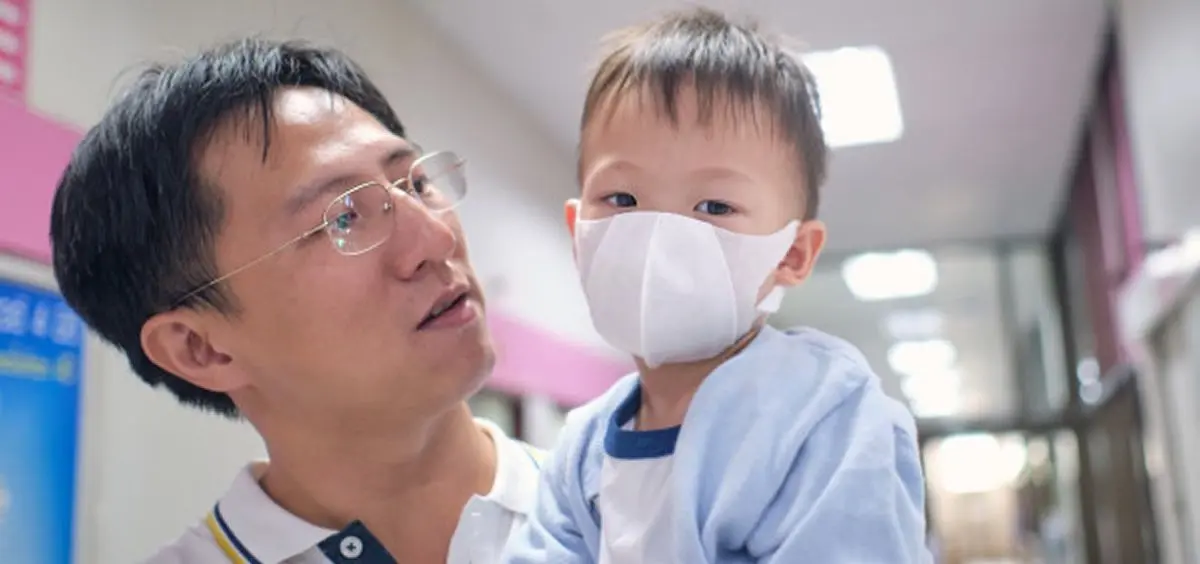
[855, 493]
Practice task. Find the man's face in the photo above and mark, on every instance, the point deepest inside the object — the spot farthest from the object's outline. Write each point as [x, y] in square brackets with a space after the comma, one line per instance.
[321, 336]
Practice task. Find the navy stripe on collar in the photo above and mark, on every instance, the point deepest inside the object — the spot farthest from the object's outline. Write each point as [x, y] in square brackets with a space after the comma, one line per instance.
[237, 544]
[632, 445]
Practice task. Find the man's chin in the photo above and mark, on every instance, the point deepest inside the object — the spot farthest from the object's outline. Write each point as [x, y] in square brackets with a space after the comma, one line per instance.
[484, 369]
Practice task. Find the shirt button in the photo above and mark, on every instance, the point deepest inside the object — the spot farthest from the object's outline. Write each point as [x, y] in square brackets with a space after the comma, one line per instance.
[351, 547]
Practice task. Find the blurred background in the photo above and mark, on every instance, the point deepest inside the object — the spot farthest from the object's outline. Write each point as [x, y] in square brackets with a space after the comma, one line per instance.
[1011, 204]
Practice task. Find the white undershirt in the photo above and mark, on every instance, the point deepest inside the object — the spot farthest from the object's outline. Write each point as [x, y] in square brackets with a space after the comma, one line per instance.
[635, 499]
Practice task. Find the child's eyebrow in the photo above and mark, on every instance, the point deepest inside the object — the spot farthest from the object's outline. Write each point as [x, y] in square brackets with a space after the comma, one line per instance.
[604, 167]
[719, 173]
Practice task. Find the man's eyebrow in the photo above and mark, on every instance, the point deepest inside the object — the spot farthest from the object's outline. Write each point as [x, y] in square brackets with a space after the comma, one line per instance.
[331, 187]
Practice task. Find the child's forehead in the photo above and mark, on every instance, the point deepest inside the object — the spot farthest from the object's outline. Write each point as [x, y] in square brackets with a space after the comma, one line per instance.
[687, 134]
[685, 108]
[686, 131]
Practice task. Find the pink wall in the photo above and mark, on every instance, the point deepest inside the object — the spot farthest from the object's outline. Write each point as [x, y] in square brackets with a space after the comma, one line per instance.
[1105, 212]
[530, 360]
[1127, 187]
[33, 152]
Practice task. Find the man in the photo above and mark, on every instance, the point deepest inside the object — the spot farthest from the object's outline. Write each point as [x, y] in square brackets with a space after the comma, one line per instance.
[253, 228]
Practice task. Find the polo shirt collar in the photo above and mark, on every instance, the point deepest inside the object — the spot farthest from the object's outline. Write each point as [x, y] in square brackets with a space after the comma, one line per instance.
[247, 521]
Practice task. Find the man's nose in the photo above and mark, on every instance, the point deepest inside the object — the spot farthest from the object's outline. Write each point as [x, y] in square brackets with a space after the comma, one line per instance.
[422, 237]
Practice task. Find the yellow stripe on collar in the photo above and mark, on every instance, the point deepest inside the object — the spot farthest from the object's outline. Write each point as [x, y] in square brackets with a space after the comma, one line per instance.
[222, 540]
[538, 455]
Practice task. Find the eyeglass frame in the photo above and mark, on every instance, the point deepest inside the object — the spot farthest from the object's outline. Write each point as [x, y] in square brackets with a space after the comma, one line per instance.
[403, 184]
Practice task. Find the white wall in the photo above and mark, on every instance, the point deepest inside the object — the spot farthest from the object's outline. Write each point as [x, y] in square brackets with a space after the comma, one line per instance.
[541, 421]
[139, 451]
[1160, 47]
[152, 467]
[1177, 486]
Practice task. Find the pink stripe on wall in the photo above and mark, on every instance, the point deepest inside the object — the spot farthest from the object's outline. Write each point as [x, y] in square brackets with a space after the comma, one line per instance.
[1127, 188]
[33, 152]
[535, 361]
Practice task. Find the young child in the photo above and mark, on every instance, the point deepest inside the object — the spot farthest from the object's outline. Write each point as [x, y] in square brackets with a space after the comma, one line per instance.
[700, 161]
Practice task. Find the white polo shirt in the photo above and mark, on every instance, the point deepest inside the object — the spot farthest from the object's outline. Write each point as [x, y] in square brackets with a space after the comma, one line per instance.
[247, 527]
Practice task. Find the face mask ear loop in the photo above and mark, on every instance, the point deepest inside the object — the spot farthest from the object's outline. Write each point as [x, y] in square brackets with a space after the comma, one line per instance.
[772, 301]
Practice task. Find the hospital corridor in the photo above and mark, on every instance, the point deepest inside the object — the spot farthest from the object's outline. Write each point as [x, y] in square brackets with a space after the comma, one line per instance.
[1008, 237]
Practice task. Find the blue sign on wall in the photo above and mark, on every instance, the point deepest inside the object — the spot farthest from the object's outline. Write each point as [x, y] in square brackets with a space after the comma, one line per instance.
[41, 362]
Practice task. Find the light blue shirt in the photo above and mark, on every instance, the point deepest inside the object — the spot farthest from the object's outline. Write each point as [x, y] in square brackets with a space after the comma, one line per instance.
[790, 452]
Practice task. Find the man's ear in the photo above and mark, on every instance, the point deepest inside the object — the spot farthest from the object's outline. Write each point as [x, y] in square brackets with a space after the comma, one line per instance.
[798, 263]
[179, 342]
[571, 214]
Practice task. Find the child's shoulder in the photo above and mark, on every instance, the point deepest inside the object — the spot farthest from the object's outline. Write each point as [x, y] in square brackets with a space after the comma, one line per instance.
[848, 371]
[795, 380]
[806, 341]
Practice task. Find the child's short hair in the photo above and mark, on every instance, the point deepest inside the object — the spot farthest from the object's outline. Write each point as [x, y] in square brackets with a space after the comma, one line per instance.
[723, 62]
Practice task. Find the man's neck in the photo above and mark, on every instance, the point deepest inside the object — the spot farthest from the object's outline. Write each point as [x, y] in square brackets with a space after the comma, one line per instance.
[667, 390]
[381, 480]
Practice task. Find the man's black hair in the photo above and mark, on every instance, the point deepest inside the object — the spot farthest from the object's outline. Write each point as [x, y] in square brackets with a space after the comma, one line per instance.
[133, 222]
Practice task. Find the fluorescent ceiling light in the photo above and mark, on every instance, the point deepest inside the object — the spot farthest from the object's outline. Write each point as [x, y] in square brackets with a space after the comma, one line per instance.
[914, 324]
[932, 385]
[859, 103]
[944, 405]
[920, 358]
[936, 394]
[977, 463]
[887, 276]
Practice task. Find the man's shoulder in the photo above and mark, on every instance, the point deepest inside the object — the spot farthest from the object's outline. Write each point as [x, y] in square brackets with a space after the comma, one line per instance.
[536, 455]
[195, 546]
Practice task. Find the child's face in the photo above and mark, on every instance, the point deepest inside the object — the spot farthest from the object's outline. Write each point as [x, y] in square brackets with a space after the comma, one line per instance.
[734, 172]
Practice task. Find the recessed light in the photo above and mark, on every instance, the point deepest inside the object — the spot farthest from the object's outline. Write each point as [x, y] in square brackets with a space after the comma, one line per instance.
[945, 405]
[976, 463]
[859, 101]
[892, 275]
[918, 358]
[935, 394]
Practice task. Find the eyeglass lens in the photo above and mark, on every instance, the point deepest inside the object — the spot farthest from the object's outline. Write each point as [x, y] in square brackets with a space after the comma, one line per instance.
[362, 219]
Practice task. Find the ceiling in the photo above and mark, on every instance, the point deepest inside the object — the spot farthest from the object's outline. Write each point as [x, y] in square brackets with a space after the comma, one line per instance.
[992, 93]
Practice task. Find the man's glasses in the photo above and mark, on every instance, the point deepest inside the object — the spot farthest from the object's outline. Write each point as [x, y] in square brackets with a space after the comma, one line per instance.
[362, 218]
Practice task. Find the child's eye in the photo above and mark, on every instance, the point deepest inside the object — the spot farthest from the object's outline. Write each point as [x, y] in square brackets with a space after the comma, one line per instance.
[713, 207]
[621, 200]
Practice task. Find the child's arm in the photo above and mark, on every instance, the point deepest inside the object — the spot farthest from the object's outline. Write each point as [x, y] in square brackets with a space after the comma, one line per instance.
[855, 492]
[550, 535]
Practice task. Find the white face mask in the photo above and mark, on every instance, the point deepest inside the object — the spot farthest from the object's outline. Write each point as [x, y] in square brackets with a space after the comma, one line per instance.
[668, 288]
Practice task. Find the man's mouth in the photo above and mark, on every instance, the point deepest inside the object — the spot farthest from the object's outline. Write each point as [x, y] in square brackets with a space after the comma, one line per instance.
[447, 304]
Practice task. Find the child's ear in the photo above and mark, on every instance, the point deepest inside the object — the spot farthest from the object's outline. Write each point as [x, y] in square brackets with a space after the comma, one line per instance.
[798, 263]
[571, 214]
